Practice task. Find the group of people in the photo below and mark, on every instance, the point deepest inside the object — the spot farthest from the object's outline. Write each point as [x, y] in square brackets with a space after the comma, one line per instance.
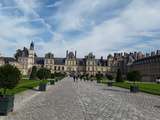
[75, 77]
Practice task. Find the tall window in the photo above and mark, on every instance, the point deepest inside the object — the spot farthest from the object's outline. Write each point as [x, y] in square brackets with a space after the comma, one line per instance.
[63, 68]
[58, 67]
[55, 67]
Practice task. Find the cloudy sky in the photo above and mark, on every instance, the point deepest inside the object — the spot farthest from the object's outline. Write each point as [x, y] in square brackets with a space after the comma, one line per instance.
[99, 26]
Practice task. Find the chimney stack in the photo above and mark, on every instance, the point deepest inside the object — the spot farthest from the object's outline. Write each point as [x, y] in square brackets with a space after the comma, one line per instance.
[75, 54]
[66, 53]
[153, 53]
[158, 52]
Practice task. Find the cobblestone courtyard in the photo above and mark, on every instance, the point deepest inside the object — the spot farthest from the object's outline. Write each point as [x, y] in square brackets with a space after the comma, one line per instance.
[85, 101]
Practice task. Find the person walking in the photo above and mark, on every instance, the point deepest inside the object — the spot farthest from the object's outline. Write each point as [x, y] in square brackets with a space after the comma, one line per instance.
[74, 78]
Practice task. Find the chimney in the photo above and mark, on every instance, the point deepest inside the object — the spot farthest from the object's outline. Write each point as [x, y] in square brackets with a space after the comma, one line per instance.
[158, 52]
[75, 54]
[153, 53]
[66, 53]
[147, 55]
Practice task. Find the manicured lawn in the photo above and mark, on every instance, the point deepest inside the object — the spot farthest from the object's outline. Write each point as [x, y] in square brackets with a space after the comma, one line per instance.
[24, 85]
[147, 87]
[151, 88]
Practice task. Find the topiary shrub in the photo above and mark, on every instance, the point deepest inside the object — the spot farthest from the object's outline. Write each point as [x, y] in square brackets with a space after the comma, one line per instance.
[91, 77]
[119, 76]
[43, 73]
[110, 77]
[87, 77]
[9, 77]
[52, 76]
[99, 77]
[33, 75]
[81, 77]
[134, 76]
[58, 75]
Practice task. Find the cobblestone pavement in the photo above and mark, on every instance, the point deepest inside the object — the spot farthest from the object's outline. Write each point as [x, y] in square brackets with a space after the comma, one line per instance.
[87, 101]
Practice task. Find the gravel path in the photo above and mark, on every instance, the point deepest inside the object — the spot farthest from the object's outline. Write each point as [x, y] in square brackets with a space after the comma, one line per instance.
[85, 101]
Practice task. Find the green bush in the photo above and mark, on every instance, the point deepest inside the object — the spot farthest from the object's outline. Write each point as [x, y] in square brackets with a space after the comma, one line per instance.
[99, 77]
[33, 75]
[43, 73]
[110, 77]
[52, 76]
[58, 74]
[134, 76]
[91, 78]
[119, 76]
[9, 77]
[81, 77]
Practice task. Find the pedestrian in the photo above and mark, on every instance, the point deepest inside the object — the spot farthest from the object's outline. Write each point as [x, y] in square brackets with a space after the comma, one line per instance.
[74, 78]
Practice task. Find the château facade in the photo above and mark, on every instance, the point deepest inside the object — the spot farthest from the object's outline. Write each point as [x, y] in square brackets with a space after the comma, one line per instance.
[25, 59]
[87, 65]
[148, 65]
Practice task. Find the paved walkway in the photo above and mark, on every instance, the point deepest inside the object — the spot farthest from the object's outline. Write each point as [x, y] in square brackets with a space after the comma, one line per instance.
[86, 101]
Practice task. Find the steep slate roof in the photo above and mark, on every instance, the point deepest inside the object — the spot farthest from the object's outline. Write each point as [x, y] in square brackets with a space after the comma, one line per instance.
[81, 61]
[59, 61]
[39, 60]
[71, 55]
[149, 59]
[101, 62]
[9, 59]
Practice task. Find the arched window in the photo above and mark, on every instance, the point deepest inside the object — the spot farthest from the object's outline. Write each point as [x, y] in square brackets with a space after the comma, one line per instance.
[55, 67]
[63, 68]
[58, 67]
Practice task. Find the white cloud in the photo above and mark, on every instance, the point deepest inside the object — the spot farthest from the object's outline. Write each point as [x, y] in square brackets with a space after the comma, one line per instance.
[27, 6]
[74, 16]
[116, 33]
[119, 28]
[14, 33]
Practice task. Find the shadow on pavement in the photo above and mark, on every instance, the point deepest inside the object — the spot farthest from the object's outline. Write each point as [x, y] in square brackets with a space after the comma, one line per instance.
[156, 106]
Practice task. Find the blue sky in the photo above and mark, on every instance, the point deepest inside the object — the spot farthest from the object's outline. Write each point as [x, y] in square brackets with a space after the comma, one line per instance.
[99, 26]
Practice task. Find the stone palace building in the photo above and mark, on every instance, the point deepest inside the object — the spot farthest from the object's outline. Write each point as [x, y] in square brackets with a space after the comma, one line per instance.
[148, 65]
[25, 59]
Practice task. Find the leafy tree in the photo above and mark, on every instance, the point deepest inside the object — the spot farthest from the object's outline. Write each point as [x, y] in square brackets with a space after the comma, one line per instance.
[99, 77]
[33, 74]
[134, 76]
[110, 77]
[43, 73]
[119, 76]
[87, 76]
[58, 75]
[9, 77]
[52, 76]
